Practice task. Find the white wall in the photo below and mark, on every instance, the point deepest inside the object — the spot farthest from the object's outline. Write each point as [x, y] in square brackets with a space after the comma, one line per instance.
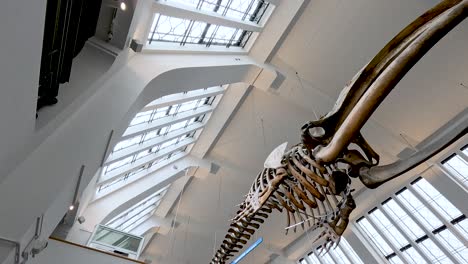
[90, 65]
[51, 170]
[61, 253]
[21, 28]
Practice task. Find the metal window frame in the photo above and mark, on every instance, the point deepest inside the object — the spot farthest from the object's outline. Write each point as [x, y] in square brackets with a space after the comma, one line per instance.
[93, 241]
[334, 257]
[239, 37]
[457, 152]
[161, 193]
[206, 99]
[429, 233]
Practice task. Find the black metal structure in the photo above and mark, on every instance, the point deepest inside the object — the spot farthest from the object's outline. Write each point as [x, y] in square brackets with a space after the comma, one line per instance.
[68, 24]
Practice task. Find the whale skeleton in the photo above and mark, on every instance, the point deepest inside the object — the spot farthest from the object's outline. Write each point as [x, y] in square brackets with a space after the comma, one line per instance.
[311, 181]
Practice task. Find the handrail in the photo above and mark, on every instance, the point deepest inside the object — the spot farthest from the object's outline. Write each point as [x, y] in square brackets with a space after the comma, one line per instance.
[96, 250]
[17, 248]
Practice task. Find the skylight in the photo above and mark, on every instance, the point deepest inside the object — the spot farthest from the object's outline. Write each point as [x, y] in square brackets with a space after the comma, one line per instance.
[229, 23]
[162, 132]
[251, 10]
[417, 225]
[185, 31]
[343, 253]
[457, 166]
[138, 213]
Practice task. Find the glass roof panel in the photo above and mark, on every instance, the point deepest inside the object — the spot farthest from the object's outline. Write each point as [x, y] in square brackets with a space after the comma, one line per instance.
[237, 9]
[185, 31]
[133, 157]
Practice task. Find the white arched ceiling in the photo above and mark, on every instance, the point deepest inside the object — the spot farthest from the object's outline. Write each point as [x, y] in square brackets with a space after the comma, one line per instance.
[330, 42]
[51, 176]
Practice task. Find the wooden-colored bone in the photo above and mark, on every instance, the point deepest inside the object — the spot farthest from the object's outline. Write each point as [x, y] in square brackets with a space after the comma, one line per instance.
[310, 177]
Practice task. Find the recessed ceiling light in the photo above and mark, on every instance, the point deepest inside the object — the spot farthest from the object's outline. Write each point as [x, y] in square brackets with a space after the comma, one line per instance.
[123, 6]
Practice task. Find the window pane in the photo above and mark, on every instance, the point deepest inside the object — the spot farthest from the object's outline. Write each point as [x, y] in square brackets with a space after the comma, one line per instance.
[465, 150]
[183, 31]
[114, 238]
[313, 259]
[455, 246]
[137, 172]
[238, 9]
[413, 230]
[326, 258]
[340, 256]
[422, 215]
[188, 105]
[141, 118]
[435, 254]
[435, 199]
[151, 135]
[419, 210]
[388, 229]
[375, 237]
[177, 126]
[160, 112]
[462, 226]
[169, 143]
[396, 260]
[413, 256]
[458, 167]
[402, 219]
[131, 217]
[350, 251]
[117, 164]
[139, 152]
[127, 143]
[395, 237]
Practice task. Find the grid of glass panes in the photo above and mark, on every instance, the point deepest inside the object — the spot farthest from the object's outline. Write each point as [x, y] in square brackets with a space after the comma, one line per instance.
[134, 169]
[172, 110]
[128, 161]
[138, 213]
[183, 31]
[457, 165]
[417, 225]
[342, 254]
[145, 137]
[251, 10]
[108, 239]
[140, 171]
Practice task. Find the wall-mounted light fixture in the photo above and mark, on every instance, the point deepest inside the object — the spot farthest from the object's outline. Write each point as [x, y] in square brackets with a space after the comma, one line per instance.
[117, 4]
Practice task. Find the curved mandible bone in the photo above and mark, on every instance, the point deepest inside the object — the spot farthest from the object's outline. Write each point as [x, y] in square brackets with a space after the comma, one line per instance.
[447, 15]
